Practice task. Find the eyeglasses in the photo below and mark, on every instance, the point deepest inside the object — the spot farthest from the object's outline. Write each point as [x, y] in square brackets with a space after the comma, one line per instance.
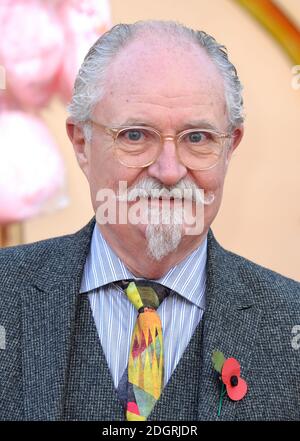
[139, 146]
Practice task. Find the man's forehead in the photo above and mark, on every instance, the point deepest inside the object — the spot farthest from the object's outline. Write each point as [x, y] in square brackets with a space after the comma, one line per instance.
[164, 67]
[159, 81]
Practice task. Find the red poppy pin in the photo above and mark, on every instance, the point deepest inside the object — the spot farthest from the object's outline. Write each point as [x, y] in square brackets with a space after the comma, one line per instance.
[232, 383]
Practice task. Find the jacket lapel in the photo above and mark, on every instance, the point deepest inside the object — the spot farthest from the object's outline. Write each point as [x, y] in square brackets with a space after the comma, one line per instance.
[48, 316]
[231, 322]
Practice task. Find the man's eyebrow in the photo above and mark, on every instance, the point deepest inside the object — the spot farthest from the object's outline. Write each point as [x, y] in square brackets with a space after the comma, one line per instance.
[134, 122]
[195, 124]
[200, 124]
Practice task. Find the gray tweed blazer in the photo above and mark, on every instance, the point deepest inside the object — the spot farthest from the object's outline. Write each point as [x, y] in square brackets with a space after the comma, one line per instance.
[250, 315]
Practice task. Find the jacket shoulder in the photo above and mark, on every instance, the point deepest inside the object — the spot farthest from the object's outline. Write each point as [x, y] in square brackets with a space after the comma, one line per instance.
[21, 263]
[262, 273]
[20, 260]
[274, 290]
[267, 287]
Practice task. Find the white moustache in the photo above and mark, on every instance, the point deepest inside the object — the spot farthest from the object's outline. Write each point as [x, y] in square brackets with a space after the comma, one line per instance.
[152, 189]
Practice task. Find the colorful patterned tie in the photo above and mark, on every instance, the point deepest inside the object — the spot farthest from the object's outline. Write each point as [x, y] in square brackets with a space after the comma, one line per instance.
[142, 382]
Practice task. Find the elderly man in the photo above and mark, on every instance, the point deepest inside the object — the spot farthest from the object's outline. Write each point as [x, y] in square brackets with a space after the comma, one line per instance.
[143, 315]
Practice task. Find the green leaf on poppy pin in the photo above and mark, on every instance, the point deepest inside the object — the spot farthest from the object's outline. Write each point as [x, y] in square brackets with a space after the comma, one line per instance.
[218, 360]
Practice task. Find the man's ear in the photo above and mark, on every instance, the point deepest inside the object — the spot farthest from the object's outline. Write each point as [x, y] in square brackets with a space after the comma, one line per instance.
[236, 138]
[76, 136]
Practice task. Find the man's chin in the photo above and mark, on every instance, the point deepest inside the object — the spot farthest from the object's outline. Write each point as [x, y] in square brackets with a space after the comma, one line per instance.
[162, 240]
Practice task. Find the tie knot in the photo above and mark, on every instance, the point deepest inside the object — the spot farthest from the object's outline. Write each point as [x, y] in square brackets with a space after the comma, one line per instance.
[144, 294]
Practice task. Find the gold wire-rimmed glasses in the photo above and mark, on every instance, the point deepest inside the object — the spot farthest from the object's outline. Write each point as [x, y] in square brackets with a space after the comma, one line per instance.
[140, 146]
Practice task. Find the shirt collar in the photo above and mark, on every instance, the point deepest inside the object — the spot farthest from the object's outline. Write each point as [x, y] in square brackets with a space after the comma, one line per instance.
[103, 266]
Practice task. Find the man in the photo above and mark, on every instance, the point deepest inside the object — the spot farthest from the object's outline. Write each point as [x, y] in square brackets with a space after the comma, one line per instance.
[156, 106]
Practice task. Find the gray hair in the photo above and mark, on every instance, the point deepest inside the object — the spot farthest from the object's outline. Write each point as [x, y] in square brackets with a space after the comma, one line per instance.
[90, 82]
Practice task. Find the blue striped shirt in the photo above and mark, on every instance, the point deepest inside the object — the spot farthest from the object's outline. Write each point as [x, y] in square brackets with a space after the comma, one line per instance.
[115, 316]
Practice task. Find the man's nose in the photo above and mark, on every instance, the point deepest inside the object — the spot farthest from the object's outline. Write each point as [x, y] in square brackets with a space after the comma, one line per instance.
[167, 167]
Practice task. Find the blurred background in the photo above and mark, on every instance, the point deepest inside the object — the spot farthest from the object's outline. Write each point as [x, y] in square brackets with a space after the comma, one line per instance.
[260, 214]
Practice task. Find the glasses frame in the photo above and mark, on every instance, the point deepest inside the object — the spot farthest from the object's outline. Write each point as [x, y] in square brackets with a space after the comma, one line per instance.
[115, 131]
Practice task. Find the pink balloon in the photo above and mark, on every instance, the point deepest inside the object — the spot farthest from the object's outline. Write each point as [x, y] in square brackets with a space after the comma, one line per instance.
[31, 49]
[31, 169]
[7, 101]
[84, 21]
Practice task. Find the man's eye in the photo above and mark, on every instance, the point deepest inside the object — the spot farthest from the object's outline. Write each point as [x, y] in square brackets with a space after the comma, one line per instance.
[196, 137]
[133, 135]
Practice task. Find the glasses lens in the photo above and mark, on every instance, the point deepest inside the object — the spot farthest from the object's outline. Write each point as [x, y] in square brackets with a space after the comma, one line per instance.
[199, 149]
[137, 146]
